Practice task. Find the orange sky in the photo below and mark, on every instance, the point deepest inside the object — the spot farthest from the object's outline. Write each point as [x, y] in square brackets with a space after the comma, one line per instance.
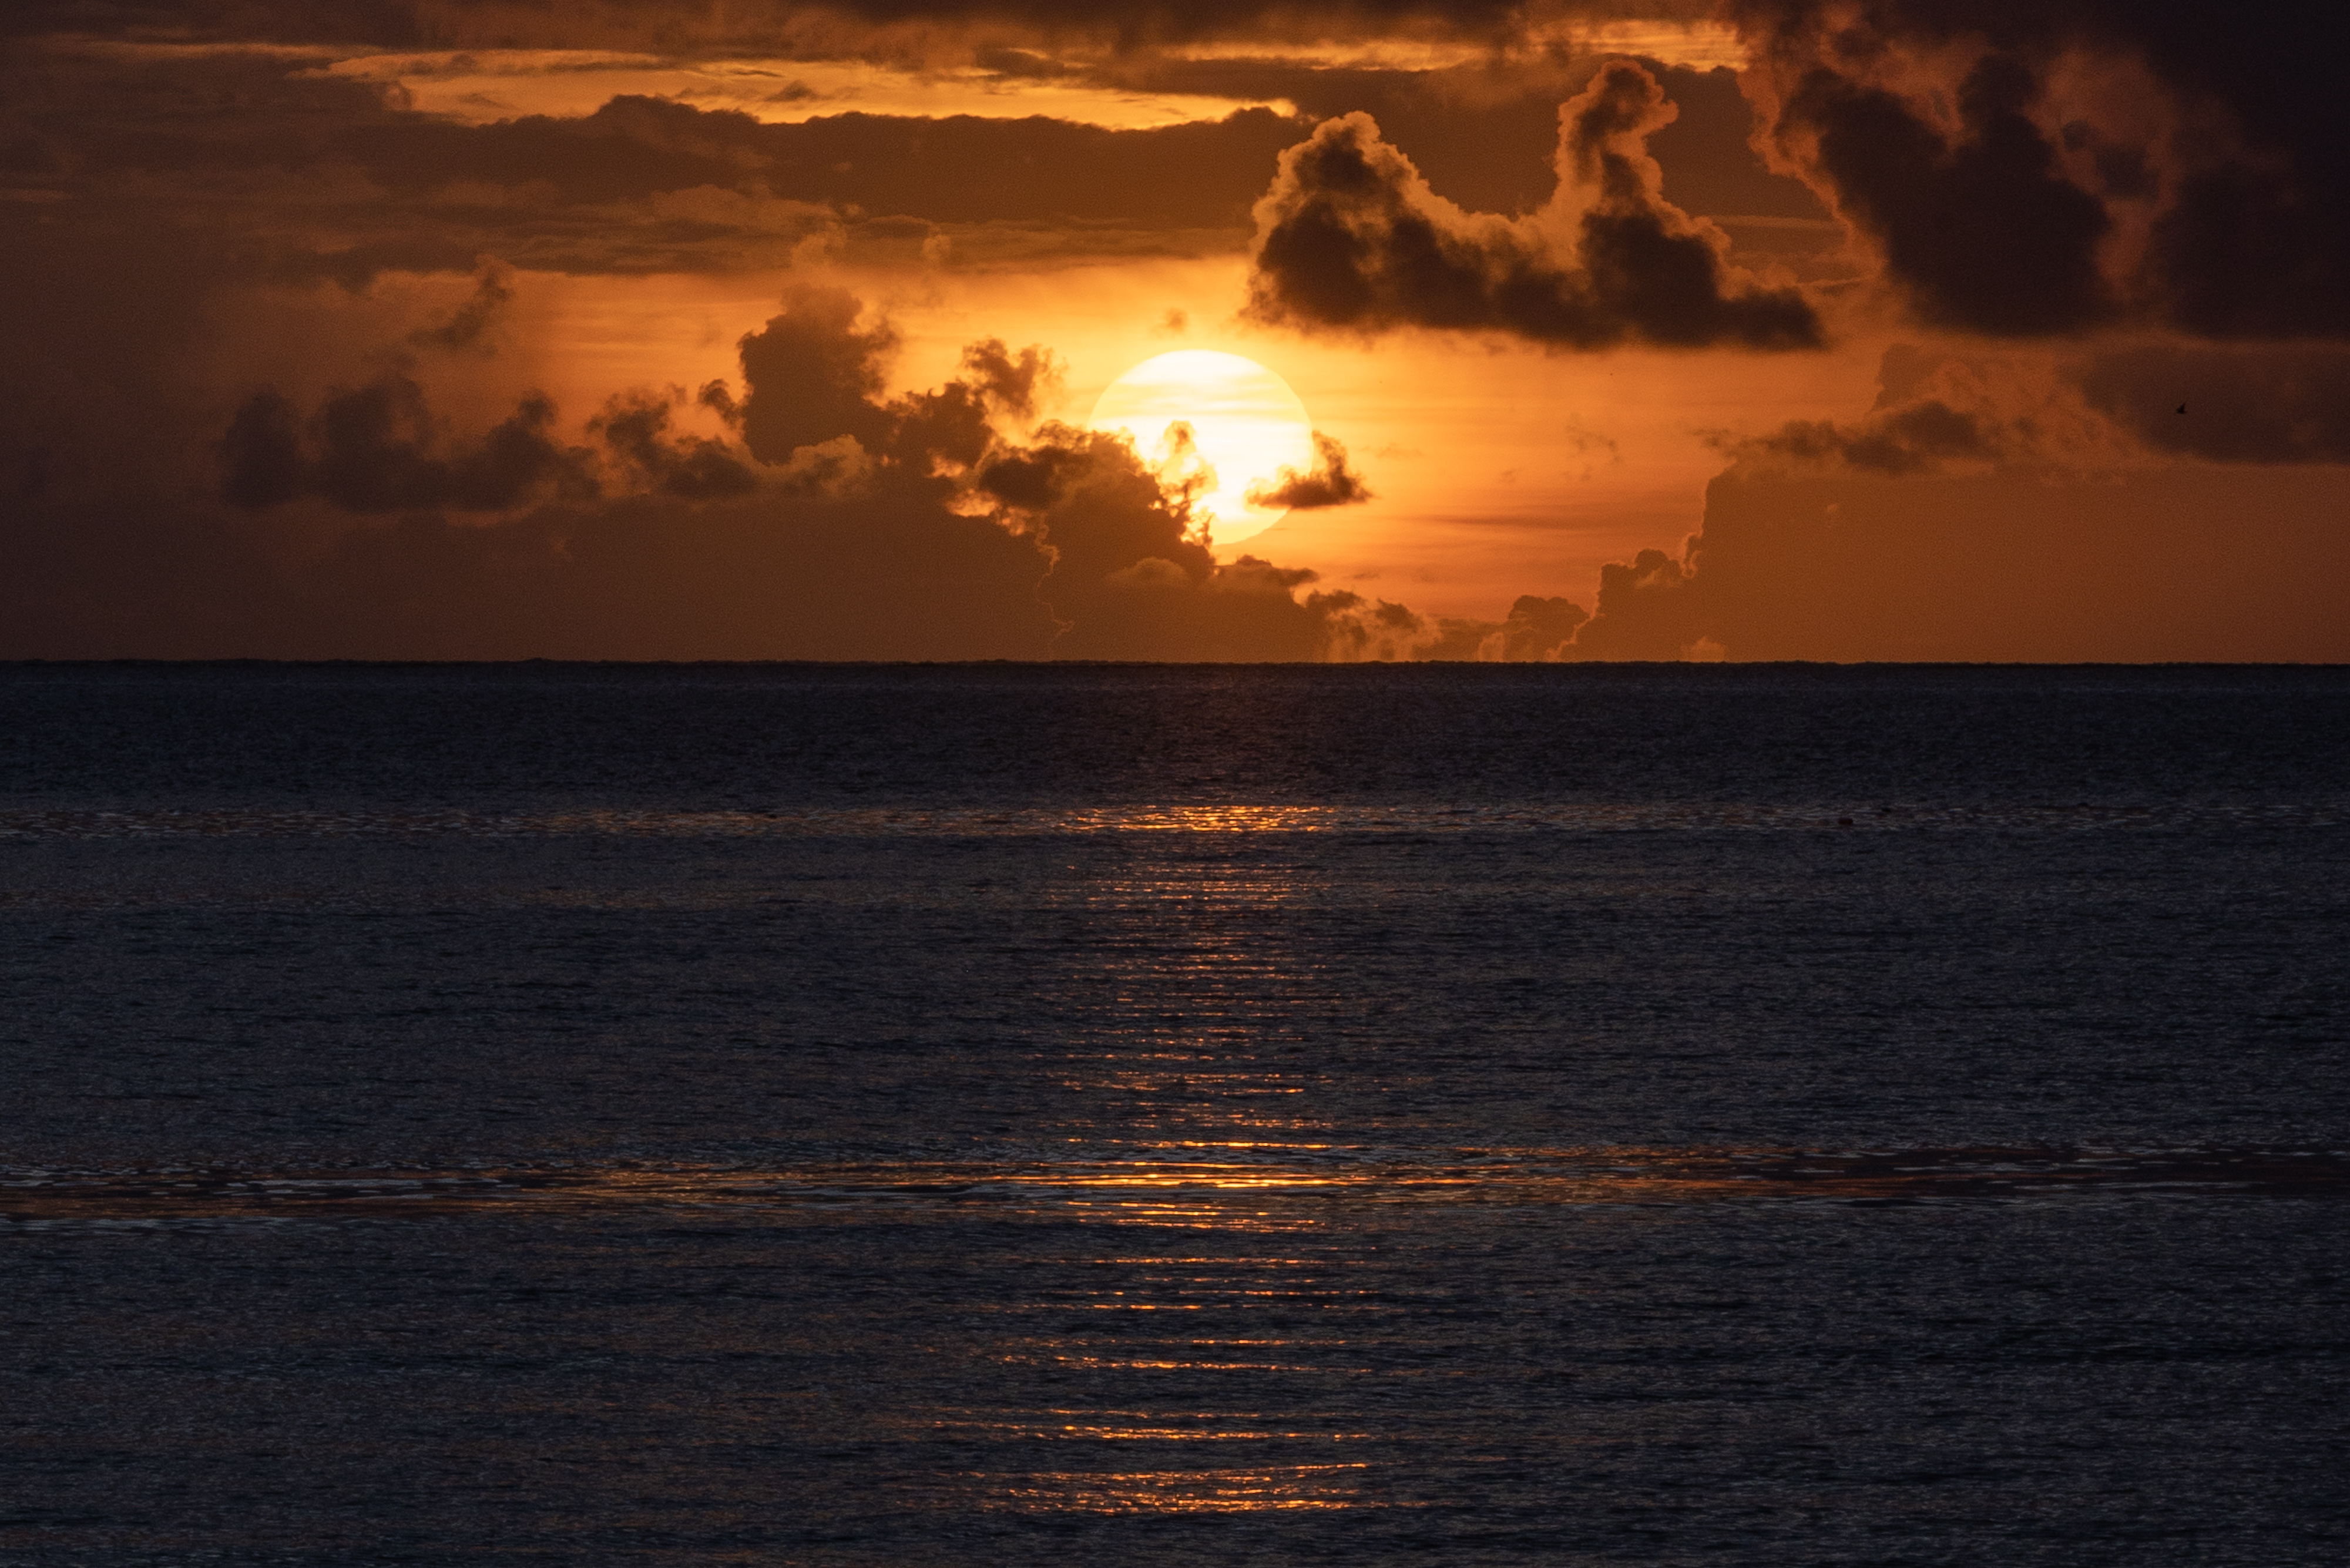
[301, 289]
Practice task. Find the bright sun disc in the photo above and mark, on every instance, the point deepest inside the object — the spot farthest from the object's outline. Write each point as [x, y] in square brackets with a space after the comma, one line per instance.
[1246, 422]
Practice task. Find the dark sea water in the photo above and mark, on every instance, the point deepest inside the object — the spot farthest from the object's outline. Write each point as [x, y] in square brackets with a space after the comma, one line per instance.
[1146, 1115]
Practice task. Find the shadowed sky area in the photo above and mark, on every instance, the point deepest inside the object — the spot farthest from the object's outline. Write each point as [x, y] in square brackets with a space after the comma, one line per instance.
[1781, 330]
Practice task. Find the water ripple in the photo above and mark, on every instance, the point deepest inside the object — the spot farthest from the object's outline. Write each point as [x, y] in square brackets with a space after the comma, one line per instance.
[1255, 1190]
[968, 822]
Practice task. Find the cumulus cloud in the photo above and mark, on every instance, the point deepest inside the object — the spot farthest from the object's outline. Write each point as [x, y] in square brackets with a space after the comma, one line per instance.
[635, 426]
[1129, 577]
[1540, 630]
[1351, 238]
[814, 376]
[378, 448]
[1329, 483]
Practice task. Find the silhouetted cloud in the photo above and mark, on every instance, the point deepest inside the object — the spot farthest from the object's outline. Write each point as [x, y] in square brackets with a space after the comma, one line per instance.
[635, 426]
[1911, 438]
[1484, 134]
[1016, 384]
[2043, 166]
[2023, 167]
[1540, 630]
[1980, 228]
[812, 376]
[1129, 575]
[469, 325]
[1329, 483]
[292, 173]
[1650, 607]
[737, 26]
[378, 448]
[1350, 237]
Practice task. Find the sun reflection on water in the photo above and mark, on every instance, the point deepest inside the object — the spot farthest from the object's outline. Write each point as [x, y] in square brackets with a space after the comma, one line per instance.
[1133, 1341]
[1223, 1490]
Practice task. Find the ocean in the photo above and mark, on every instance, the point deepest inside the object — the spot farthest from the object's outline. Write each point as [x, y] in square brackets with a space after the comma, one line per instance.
[1139, 1115]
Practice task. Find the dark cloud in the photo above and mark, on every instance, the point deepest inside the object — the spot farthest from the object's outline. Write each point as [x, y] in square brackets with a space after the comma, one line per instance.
[1909, 439]
[635, 426]
[1540, 630]
[1980, 229]
[1938, 410]
[1650, 607]
[2029, 166]
[1485, 134]
[469, 326]
[695, 27]
[1708, 156]
[1013, 384]
[2281, 404]
[1378, 629]
[2023, 167]
[813, 376]
[1351, 238]
[378, 448]
[1329, 483]
[1129, 576]
[284, 172]
[2006, 509]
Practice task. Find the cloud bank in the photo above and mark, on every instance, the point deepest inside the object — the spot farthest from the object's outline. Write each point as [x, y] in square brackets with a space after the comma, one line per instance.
[824, 521]
[1998, 507]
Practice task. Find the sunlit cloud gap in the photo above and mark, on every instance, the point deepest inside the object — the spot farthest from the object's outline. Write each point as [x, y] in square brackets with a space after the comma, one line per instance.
[481, 86]
[1699, 45]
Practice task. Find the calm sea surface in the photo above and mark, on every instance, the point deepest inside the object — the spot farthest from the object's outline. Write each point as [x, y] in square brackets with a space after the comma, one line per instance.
[1145, 1115]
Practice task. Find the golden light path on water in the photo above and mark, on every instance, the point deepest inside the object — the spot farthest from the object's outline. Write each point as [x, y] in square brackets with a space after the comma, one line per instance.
[1209, 1319]
[1246, 426]
[1196, 1306]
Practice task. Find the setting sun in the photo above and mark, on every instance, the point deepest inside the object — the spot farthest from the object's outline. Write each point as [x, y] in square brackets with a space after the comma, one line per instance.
[1246, 426]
